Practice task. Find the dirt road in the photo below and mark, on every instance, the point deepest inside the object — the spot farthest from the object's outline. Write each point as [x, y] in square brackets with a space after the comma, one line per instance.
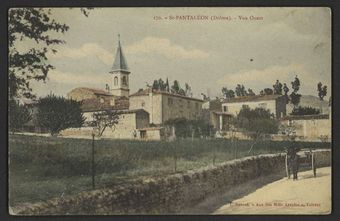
[308, 195]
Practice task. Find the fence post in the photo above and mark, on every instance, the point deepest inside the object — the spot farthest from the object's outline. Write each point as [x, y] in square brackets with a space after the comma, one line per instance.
[92, 162]
[175, 155]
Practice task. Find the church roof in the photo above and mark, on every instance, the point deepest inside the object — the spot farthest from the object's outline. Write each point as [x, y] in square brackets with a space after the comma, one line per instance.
[120, 63]
[144, 92]
[92, 90]
[94, 104]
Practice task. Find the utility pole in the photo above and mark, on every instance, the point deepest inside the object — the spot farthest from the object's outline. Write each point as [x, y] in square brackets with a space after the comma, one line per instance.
[93, 167]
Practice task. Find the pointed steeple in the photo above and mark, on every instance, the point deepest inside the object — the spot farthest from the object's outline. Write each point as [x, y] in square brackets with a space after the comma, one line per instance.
[119, 63]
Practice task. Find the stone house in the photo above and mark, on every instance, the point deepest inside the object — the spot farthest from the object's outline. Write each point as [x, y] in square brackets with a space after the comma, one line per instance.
[212, 113]
[276, 104]
[309, 127]
[162, 105]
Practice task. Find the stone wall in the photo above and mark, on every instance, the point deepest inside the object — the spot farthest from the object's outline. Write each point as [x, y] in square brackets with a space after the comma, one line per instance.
[165, 195]
[311, 129]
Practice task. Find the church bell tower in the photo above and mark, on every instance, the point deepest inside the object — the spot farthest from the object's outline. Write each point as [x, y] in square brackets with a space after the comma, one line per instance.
[120, 74]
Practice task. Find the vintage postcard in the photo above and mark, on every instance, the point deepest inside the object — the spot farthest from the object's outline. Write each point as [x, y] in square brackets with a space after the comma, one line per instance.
[169, 111]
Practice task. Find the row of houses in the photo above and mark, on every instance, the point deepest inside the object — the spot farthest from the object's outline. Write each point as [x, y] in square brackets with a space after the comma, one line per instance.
[142, 114]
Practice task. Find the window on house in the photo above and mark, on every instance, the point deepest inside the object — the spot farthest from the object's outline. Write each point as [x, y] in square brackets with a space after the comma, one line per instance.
[196, 105]
[115, 81]
[143, 134]
[189, 104]
[143, 104]
[225, 108]
[245, 106]
[124, 80]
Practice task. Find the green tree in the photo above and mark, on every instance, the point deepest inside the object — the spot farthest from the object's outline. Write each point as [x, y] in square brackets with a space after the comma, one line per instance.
[104, 119]
[181, 92]
[286, 90]
[185, 128]
[18, 116]
[32, 64]
[256, 122]
[175, 87]
[277, 87]
[240, 90]
[162, 85]
[295, 96]
[322, 91]
[305, 111]
[167, 86]
[251, 92]
[155, 85]
[101, 120]
[57, 113]
[228, 93]
[267, 91]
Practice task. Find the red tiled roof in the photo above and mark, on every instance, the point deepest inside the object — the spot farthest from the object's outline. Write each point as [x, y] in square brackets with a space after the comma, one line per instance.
[252, 98]
[144, 92]
[94, 104]
[94, 90]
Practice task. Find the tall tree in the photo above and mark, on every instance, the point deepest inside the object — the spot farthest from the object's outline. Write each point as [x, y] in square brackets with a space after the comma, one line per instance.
[322, 91]
[104, 119]
[286, 90]
[228, 93]
[167, 86]
[155, 85]
[277, 87]
[162, 85]
[295, 96]
[175, 87]
[32, 64]
[240, 90]
[57, 113]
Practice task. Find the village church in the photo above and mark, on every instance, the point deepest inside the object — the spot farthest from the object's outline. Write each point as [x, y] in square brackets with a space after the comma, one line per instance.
[141, 114]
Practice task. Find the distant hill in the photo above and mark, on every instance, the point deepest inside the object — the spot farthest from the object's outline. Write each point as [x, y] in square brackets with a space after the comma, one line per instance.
[311, 101]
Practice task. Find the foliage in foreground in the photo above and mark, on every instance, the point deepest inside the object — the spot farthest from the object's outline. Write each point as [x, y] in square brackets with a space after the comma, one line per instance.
[18, 115]
[258, 121]
[57, 113]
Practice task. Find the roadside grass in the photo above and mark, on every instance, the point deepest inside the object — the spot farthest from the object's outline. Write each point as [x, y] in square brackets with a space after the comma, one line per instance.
[44, 167]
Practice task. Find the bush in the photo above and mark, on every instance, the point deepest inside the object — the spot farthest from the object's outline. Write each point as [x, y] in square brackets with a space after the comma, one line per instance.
[57, 113]
[305, 111]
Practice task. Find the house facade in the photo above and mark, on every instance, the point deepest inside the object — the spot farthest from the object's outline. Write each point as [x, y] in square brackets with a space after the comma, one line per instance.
[276, 104]
[309, 127]
[163, 106]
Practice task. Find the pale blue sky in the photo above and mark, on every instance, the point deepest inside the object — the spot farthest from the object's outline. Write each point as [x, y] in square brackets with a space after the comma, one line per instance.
[206, 54]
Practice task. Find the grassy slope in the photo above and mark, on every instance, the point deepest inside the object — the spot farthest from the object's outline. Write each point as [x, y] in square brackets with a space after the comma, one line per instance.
[45, 167]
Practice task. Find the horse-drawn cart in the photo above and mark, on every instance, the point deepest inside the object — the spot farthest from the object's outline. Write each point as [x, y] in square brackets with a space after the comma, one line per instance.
[297, 160]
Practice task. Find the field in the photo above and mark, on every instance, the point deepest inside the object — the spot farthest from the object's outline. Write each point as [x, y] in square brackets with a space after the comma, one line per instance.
[44, 167]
